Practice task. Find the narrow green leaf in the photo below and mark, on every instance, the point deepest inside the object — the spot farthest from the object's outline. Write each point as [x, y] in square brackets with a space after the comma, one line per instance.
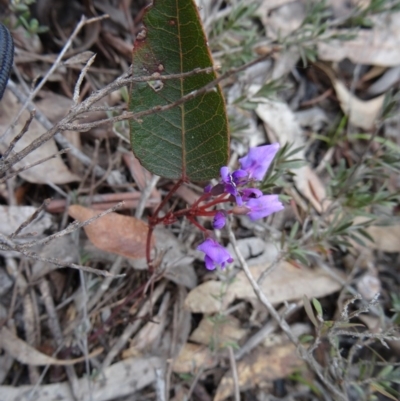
[309, 310]
[386, 371]
[318, 307]
[380, 389]
[189, 141]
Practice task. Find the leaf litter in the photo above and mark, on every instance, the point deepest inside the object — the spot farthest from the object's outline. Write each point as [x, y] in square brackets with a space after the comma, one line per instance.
[193, 331]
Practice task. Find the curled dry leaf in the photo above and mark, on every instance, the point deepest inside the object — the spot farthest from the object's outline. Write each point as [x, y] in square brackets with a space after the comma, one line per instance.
[285, 283]
[24, 353]
[361, 113]
[53, 170]
[261, 366]
[115, 233]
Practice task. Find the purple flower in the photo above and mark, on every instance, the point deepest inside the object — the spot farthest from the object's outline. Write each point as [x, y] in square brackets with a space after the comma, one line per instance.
[250, 193]
[258, 160]
[240, 177]
[208, 188]
[263, 206]
[219, 220]
[230, 184]
[216, 254]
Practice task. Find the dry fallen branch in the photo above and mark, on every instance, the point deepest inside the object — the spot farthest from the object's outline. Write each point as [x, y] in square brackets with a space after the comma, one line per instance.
[304, 354]
[28, 166]
[7, 244]
[66, 124]
[28, 221]
[19, 136]
[59, 138]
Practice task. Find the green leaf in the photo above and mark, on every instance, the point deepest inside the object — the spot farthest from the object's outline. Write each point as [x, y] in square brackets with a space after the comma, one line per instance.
[189, 141]
[380, 389]
[309, 310]
[318, 307]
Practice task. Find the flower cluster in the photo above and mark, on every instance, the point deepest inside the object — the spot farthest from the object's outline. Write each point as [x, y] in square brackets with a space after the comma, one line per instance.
[238, 185]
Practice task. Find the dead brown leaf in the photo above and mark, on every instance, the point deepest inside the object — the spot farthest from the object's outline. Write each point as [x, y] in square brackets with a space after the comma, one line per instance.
[119, 380]
[386, 238]
[115, 233]
[24, 353]
[281, 17]
[193, 357]
[285, 283]
[219, 332]
[376, 46]
[53, 170]
[361, 113]
[150, 334]
[259, 367]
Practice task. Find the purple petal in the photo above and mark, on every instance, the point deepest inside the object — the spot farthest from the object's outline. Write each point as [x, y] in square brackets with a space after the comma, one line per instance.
[209, 263]
[216, 254]
[208, 188]
[251, 193]
[240, 177]
[217, 190]
[263, 206]
[225, 175]
[219, 220]
[239, 200]
[258, 160]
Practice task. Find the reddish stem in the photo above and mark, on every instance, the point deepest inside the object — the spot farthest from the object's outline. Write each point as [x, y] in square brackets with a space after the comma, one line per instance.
[167, 198]
[216, 201]
[201, 199]
[195, 222]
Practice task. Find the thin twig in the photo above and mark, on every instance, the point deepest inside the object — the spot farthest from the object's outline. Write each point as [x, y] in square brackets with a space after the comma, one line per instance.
[30, 219]
[71, 228]
[156, 109]
[29, 166]
[66, 122]
[80, 79]
[59, 138]
[20, 135]
[235, 376]
[114, 271]
[86, 325]
[7, 244]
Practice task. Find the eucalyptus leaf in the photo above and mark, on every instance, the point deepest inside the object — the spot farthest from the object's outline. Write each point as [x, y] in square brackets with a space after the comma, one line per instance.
[189, 141]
